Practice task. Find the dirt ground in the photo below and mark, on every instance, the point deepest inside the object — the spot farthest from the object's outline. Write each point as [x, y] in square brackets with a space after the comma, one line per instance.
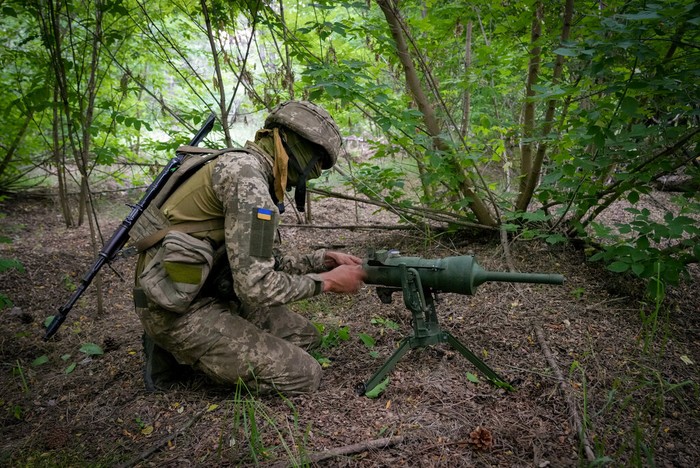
[630, 375]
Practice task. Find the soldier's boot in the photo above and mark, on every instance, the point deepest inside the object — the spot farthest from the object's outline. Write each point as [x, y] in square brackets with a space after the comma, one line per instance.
[162, 370]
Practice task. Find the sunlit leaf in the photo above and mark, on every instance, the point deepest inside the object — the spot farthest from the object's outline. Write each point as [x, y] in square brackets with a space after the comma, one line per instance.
[40, 360]
[91, 349]
[378, 389]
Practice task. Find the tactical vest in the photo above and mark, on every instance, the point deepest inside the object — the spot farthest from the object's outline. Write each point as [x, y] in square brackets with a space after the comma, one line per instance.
[152, 226]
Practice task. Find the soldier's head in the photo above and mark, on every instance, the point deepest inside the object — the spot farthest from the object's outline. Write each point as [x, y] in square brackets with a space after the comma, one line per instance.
[311, 139]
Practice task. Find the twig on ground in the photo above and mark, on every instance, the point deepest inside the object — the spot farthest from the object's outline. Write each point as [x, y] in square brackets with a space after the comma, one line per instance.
[163, 442]
[348, 450]
[573, 412]
[351, 227]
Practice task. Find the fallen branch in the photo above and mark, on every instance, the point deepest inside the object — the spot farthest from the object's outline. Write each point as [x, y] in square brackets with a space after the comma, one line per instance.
[348, 450]
[163, 442]
[352, 227]
[573, 412]
[434, 215]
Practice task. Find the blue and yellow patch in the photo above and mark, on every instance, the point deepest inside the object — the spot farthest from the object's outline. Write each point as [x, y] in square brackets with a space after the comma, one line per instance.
[264, 214]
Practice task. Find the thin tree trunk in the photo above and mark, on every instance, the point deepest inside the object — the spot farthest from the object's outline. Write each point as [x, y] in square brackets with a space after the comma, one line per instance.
[534, 173]
[288, 72]
[466, 98]
[14, 145]
[89, 112]
[219, 82]
[413, 83]
[529, 106]
[59, 159]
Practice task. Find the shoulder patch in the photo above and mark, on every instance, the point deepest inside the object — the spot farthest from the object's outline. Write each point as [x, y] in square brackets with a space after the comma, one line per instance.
[262, 227]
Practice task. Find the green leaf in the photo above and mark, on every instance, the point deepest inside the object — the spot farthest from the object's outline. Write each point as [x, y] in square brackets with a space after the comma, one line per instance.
[10, 264]
[344, 333]
[378, 390]
[555, 239]
[48, 320]
[472, 378]
[633, 197]
[91, 349]
[643, 15]
[367, 340]
[619, 267]
[40, 360]
[629, 106]
[566, 52]
[70, 368]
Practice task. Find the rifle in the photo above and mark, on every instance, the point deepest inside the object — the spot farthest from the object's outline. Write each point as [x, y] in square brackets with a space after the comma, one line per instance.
[121, 235]
[419, 279]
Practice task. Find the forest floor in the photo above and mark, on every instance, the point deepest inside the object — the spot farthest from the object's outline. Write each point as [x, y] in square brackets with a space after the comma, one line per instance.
[629, 368]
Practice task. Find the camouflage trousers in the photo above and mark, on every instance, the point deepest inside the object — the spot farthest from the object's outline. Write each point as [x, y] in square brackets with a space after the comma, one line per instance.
[265, 348]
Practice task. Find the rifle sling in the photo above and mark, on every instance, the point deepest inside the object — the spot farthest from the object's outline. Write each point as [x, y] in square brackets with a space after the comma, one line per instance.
[188, 228]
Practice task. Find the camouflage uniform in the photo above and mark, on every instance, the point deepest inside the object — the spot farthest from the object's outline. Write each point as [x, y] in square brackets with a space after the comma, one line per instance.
[255, 339]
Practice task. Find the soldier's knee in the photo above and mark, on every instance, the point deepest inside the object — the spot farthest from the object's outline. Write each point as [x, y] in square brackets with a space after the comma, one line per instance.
[306, 380]
[316, 373]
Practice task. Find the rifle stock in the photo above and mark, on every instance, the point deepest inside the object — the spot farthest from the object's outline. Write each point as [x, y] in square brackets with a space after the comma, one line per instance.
[121, 235]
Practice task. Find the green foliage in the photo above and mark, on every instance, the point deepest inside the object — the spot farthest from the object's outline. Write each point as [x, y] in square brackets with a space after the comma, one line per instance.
[378, 389]
[255, 432]
[5, 265]
[91, 349]
[624, 104]
[331, 336]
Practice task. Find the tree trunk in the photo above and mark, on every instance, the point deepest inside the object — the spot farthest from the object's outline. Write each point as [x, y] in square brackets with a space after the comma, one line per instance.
[533, 175]
[59, 160]
[466, 98]
[529, 106]
[218, 80]
[413, 83]
[14, 145]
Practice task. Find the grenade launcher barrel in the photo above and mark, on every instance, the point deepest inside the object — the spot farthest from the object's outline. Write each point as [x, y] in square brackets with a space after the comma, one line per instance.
[459, 274]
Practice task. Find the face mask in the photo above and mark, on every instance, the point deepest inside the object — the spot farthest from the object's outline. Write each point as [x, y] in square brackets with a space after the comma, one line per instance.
[304, 164]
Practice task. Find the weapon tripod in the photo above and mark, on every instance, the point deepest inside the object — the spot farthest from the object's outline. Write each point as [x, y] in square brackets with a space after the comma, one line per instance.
[426, 330]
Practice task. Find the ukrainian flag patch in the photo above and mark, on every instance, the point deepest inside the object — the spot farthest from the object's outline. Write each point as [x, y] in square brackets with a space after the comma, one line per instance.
[264, 214]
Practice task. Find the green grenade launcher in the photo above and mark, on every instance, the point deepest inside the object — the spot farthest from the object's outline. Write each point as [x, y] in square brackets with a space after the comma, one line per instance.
[419, 279]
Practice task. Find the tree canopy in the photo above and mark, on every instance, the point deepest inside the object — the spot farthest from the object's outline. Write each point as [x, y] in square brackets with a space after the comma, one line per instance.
[530, 117]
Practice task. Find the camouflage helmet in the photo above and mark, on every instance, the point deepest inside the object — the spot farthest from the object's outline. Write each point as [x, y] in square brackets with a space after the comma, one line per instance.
[311, 122]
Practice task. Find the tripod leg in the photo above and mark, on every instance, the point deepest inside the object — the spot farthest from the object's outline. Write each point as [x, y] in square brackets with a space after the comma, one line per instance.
[386, 367]
[481, 365]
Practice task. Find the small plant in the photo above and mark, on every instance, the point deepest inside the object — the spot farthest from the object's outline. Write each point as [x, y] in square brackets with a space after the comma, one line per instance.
[330, 337]
[578, 293]
[69, 284]
[19, 372]
[650, 321]
[384, 323]
[5, 265]
[256, 427]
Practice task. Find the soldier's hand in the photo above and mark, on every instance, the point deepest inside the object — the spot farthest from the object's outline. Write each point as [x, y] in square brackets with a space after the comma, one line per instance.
[343, 279]
[335, 259]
